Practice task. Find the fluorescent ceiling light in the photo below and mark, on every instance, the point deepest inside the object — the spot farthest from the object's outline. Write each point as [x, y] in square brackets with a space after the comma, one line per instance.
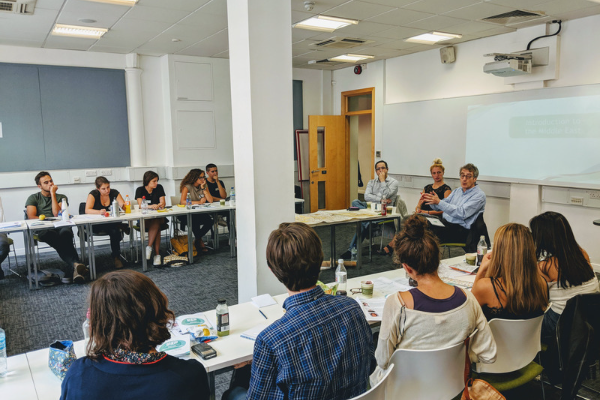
[78, 31]
[119, 2]
[324, 23]
[433, 37]
[350, 58]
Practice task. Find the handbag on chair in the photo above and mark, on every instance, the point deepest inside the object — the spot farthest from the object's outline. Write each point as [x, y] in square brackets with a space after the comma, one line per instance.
[180, 246]
[477, 389]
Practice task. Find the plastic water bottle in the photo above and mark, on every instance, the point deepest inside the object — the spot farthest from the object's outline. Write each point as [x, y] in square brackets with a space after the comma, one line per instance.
[341, 278]
[188, 202]
[353, 254]
[116, 210]
[144, 205]
[481, 249]
[3, 366]
[222, 318]
[383, 206]
[86, 328]
[127, 205]
[64, 210]
[232, 197]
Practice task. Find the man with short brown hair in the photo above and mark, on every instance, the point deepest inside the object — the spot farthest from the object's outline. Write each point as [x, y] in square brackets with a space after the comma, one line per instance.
[322, 347]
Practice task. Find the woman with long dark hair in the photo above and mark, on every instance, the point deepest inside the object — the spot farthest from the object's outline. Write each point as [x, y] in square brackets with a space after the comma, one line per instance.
[194, 184]
[508, 284]
[155, 195]
[563, 264]
[129, 317]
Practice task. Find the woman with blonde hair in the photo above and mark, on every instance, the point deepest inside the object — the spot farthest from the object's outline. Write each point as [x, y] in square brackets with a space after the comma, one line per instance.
[438, 186]
[508, 284]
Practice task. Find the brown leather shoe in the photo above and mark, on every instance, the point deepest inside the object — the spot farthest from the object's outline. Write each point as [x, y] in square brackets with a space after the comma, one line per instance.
[80, 271]
[118, 263]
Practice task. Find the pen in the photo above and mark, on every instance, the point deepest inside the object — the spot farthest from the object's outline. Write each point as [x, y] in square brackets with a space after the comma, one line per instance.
[262, 314]
[461, 270]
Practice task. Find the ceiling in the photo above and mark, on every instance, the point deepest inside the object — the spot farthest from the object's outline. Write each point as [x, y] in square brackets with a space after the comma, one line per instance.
[199, 27]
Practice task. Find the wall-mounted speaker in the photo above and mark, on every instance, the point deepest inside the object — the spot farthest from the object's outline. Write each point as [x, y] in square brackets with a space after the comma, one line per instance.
[447, 55]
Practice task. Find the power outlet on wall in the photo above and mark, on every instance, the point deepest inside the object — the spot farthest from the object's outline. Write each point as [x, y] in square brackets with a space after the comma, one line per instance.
[378, 154]
[91, 172]
[577, 200]
[594, 195]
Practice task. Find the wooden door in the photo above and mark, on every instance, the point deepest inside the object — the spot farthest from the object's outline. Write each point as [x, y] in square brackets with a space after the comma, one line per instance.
[327, 144]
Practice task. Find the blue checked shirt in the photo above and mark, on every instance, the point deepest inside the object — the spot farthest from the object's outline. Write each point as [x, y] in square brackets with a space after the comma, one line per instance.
[462, 208]
[322, 348]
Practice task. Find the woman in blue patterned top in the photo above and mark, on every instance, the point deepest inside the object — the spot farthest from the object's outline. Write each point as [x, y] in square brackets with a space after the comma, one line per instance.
[129, 316]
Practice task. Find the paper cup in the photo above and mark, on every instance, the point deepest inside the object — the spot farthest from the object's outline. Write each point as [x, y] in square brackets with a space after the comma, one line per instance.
[470, 258]
[367, 288]
[222, 201]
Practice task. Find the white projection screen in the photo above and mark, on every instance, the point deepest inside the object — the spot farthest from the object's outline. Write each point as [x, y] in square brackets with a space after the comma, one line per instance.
[548, 136]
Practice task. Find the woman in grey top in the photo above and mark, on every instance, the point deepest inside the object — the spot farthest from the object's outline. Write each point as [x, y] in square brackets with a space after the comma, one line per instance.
[194, 184]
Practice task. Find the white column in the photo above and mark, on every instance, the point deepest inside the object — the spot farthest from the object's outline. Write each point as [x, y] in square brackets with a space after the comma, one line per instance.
[135, 112]
[260, 54]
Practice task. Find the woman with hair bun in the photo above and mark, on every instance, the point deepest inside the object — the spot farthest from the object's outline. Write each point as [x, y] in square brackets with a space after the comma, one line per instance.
[438, 186]
[433, 315]
[129, 318]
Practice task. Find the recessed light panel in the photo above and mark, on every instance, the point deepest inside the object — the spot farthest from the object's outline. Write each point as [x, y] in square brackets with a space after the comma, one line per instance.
[324, 23]
[432, 37]
[78, 31]
[350, 58]
[119, 2]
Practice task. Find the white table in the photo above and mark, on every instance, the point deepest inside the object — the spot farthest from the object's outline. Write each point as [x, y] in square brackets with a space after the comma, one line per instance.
[31, 378]
[18, 383]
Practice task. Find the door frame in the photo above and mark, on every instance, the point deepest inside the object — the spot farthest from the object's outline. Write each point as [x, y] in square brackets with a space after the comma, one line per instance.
[345, 97]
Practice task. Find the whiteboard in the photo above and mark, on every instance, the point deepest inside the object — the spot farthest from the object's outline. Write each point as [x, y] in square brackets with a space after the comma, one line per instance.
[417, 132]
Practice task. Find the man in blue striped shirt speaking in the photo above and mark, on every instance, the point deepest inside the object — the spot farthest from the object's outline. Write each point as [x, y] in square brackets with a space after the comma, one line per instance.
[322, 347]
[461, 208]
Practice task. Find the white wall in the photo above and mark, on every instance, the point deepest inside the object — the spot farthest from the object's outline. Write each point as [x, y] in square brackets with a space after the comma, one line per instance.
[421, 76]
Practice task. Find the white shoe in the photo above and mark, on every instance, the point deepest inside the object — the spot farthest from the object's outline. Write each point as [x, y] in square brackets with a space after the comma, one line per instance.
[148, 252]
[157, 260]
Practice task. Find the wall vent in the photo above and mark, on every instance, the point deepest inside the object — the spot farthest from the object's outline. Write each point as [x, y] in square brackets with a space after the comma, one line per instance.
[24, 7]
[341, 43]
[514, 17]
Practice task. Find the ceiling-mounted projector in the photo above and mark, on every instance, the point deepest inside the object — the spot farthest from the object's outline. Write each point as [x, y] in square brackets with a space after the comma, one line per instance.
[505, 68]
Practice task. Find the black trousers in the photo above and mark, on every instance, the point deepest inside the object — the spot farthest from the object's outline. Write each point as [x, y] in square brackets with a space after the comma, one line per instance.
[61, 240]
[450, 233]
[114, 232]
[4, 247]
[201, 224]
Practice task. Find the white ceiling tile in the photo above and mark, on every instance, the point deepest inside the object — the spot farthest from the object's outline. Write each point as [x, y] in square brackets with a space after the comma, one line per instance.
[193, 33]
[400, 17]
[470, 27]
[399, 32]
[185, 5]
[300, 52]
[439, 6]
[42, 20]
[298, 16]
[216, 7]
[304, 44]
[156, 14]
[516, 4]
[362, 28]
[68, 43]
[438, 22]
[223, 54]
[20, 42]
[581, 13]
[358, 10]
[49, 4]
[106, 15]
[138, 25]
[201, 18]
[215, 44]
[479, 11]
[301, 34]
[561, 6]
[124, 39]
[397, 45]
[110, 49]
[319, 7]
[390, 3]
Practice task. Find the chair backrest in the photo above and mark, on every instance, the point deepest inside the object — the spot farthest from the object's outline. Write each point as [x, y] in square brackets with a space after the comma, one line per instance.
[517, 341]
[427, 374]
[478, 229]
[377, 392]
[401, 207]
[81, 208]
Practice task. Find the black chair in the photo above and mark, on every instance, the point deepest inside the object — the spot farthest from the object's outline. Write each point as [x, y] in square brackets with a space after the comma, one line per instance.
[478, 229]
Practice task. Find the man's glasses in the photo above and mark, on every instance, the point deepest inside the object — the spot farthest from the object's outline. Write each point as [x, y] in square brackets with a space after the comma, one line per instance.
[466, 176]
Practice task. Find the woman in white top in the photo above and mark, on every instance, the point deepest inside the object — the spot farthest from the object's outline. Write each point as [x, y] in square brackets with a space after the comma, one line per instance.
[563, 264]
[433, 315]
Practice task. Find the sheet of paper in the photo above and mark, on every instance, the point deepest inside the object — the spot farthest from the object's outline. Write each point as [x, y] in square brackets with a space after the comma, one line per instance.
[63, 223]
[10, 225]
[185, 323]
[373, 308]
[463, 267]
[177, 346]
[445, 271]
[387, 286]
[264, 300]
[435, 222]
[253, 333]
[89, 216]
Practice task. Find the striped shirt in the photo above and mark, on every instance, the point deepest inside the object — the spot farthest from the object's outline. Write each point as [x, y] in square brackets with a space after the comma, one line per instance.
[322, 348]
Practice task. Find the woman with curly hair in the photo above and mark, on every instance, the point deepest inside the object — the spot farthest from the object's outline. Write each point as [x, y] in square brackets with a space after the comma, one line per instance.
[194, 184]
[129, 317]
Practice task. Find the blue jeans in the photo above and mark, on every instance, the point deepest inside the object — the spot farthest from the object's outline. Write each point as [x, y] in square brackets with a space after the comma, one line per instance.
[237, 393]
[549, 326]
[364, 231]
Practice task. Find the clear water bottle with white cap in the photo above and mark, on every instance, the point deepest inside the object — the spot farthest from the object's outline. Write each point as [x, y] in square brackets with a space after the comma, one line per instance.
[341, 278]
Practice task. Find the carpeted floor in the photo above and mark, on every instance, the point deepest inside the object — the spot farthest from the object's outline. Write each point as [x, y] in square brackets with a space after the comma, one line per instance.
[33, 319]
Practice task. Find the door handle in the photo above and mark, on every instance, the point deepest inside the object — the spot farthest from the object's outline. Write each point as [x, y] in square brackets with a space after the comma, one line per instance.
[314, 171]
